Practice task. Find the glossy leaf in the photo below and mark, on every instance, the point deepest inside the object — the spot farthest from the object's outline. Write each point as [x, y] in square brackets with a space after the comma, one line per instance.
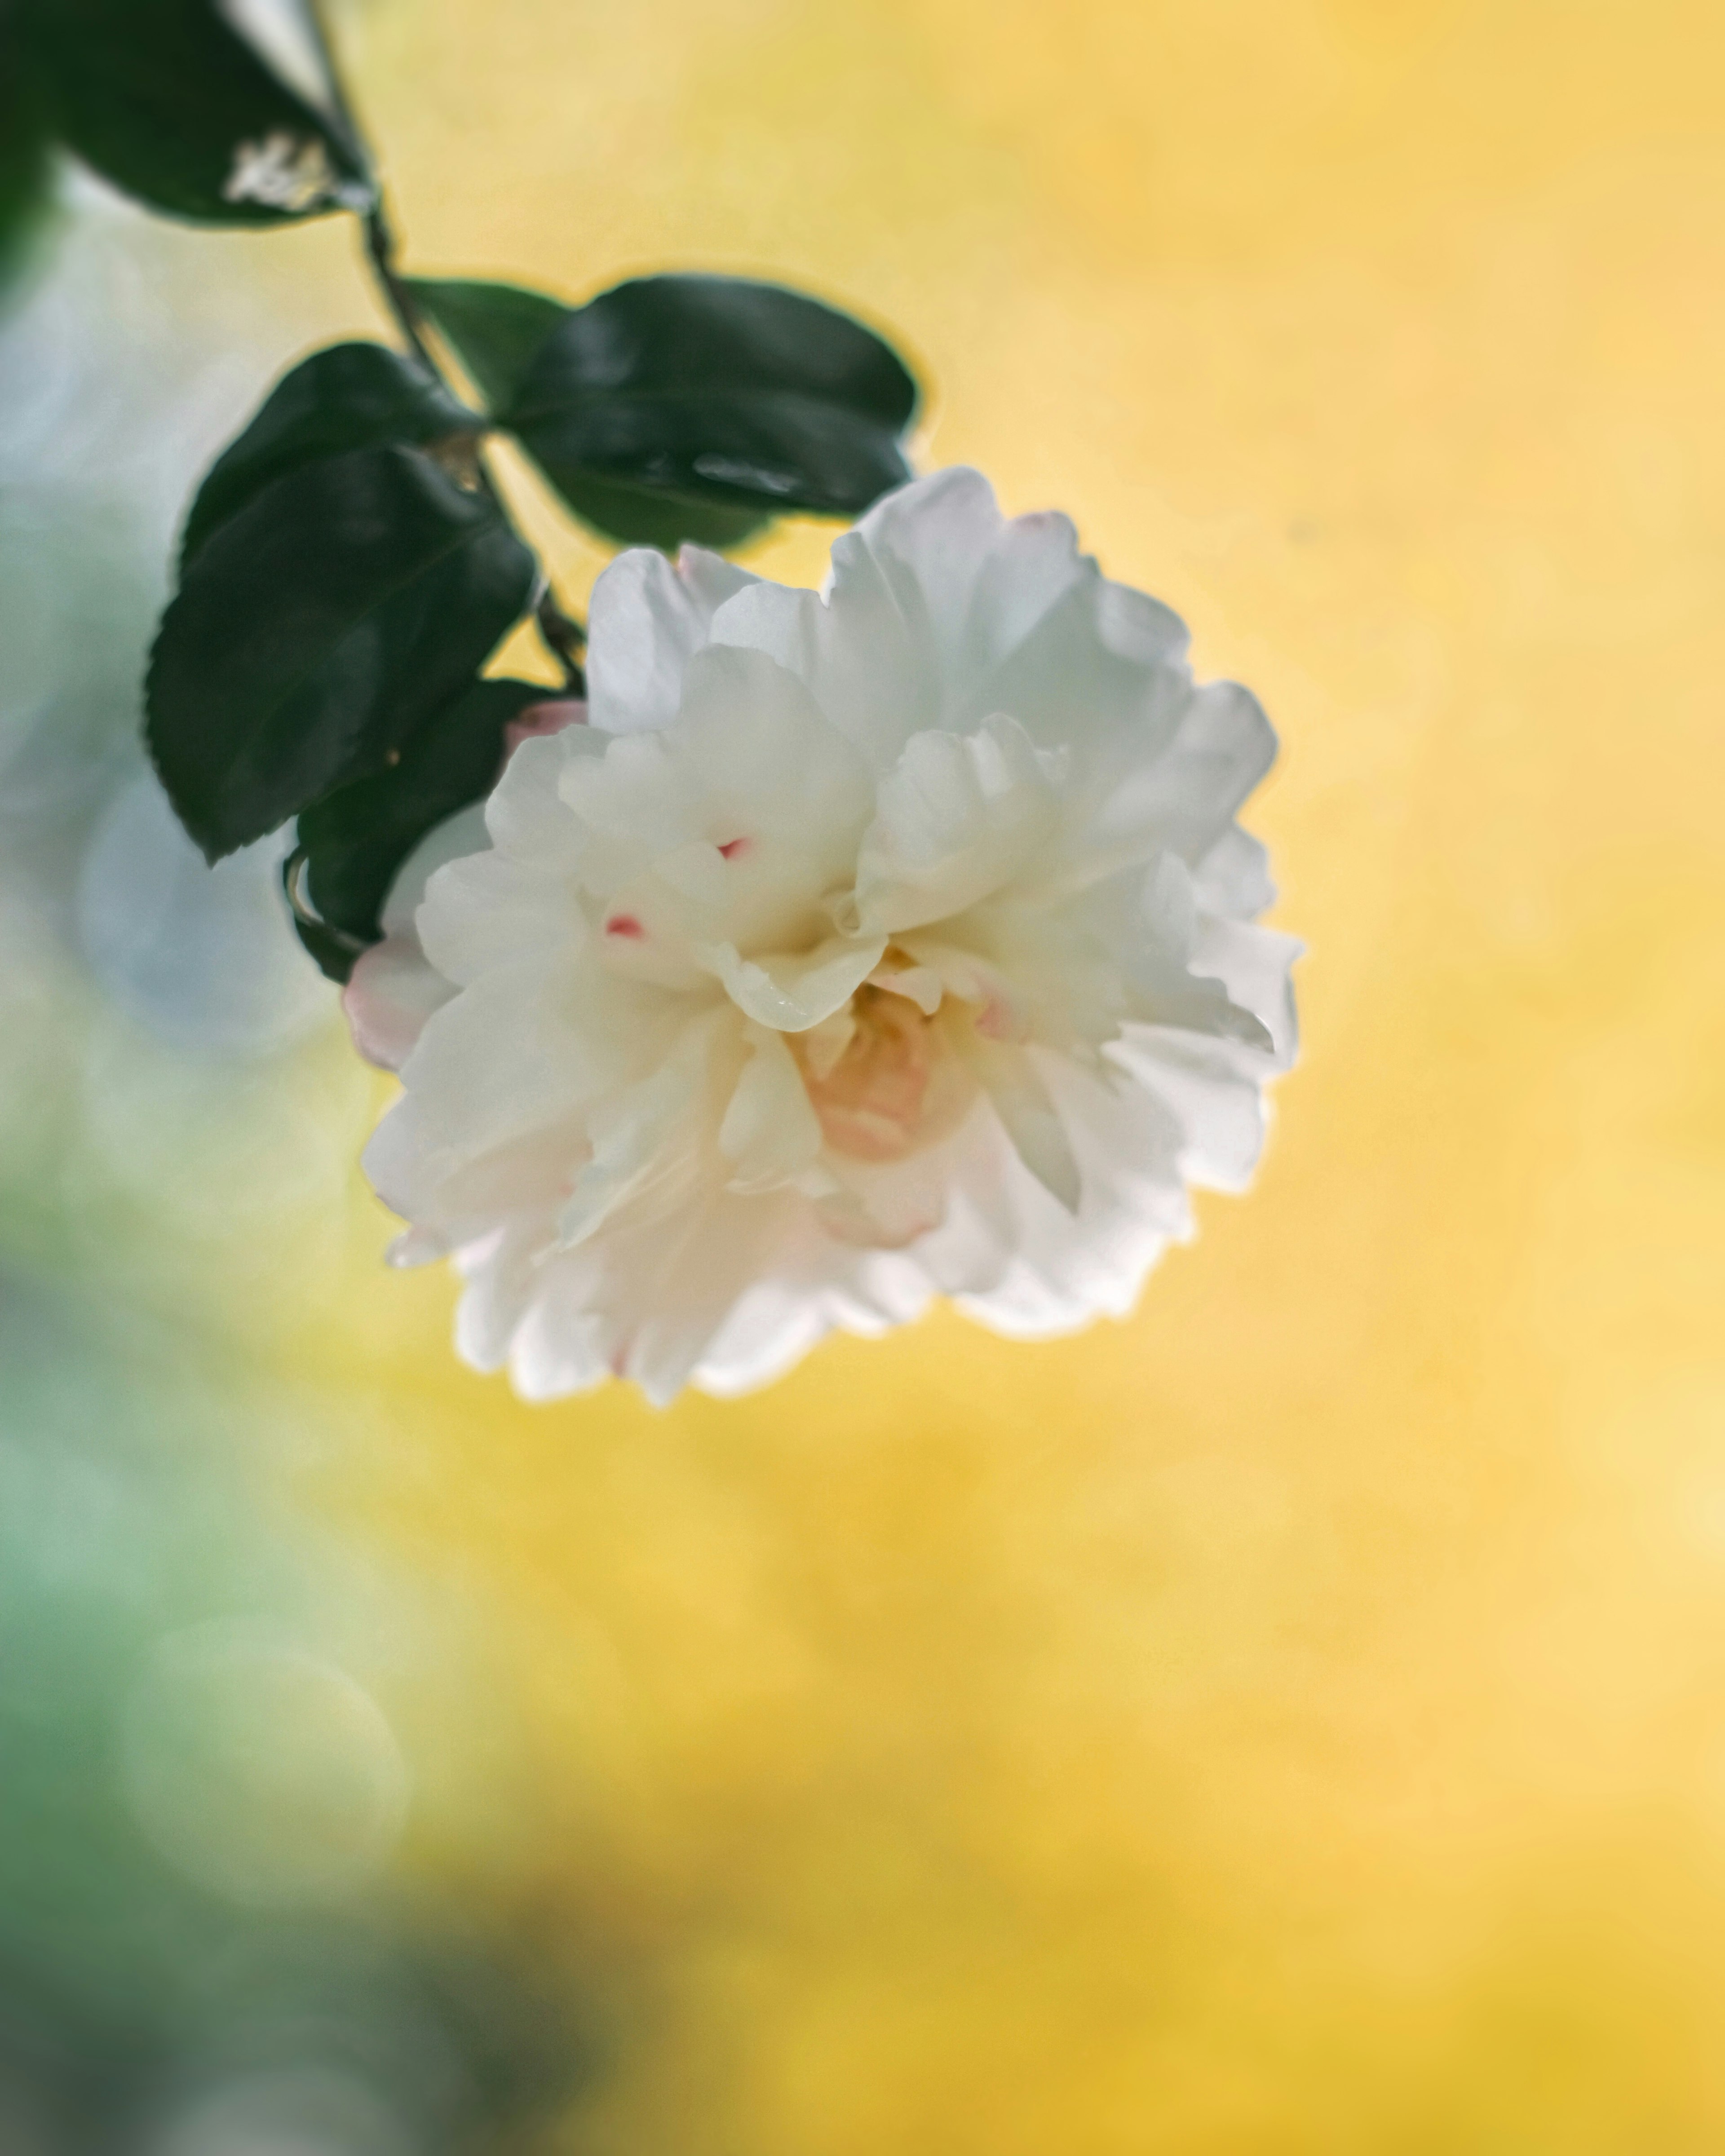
[334, 953]
[643, 517]
[495, 331]
[689, 407]
[355, 838]
[350, 396]
[317, 629]
[171, 101]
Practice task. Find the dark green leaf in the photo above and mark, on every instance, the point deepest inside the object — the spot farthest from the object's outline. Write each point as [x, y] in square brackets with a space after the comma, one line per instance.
[317, 629]
[23, 142]
[676, 408]
[334, 953]
[351, 397]
[641, 518]
[355, 838]
[170, 102]
[495, 331]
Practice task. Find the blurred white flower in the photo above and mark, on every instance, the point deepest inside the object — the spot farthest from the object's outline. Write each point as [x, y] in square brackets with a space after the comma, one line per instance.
[863, 946]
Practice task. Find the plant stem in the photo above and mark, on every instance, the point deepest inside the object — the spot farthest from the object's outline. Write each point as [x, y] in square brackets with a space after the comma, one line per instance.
[561, 634]
[380, 252]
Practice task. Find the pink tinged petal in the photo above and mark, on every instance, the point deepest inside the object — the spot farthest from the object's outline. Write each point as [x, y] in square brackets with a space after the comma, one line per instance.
[1002, 1011]
[539, 722]
[898, 1089]
[888, 1205]
[767, 755]
[791, 991]
[644, 936]
[823, 1045]
[390, 995]
[696, 872]
[709, 578]
[645, 621]
[847, 1216]
[752, 757]
[921, 984]
[491, 909]
[1029, 1116]
[958, 817]
[770, 1134]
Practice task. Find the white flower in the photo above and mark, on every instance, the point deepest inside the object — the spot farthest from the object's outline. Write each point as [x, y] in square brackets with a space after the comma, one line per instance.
[864, 946]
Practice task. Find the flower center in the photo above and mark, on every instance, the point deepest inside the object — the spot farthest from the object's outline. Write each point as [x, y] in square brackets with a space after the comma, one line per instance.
[895, 1086]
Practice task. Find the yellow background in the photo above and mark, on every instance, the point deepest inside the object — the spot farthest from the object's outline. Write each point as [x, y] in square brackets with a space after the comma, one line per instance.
[1295, 1720]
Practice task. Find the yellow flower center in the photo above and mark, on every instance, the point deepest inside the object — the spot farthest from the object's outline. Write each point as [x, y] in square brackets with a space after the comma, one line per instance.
[893, 1087]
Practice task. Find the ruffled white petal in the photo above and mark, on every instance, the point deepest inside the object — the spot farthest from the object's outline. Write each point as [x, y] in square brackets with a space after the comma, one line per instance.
[488, 910]
[646, 620]
[524, 817]
[392, 990]
[958, 816]
[870, 945]
[645, 1143]
[753, 773]
[794, 990]
[1233, 877]
[1013, 1084]
[770, 1134]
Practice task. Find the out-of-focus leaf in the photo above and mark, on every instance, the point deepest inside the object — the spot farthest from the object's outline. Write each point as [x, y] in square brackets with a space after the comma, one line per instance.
[495, 331]
[334, 954]
[174, 103]
[317, 629]
[351, 397]
[355, 839]
[24, 141]
[688, 407]
[641, 516]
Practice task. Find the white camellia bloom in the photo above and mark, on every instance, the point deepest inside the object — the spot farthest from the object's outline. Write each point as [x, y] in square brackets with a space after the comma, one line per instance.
[862, 946]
